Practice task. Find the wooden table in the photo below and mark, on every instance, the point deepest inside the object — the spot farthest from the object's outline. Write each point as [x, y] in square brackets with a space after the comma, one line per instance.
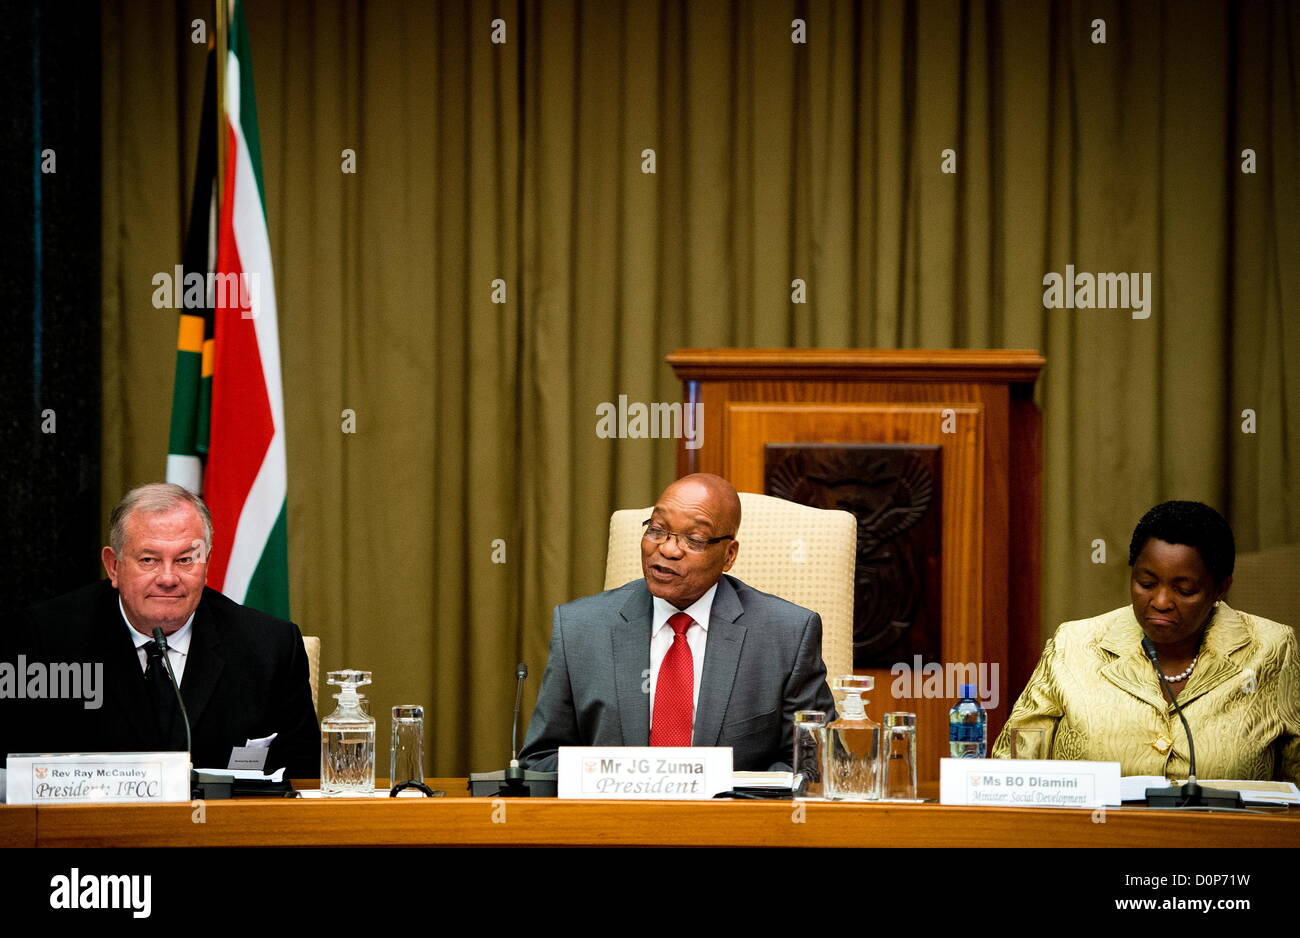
[503, 822]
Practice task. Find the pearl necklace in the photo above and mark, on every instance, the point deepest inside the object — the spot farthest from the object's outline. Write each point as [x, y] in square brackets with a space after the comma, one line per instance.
[1175, 678]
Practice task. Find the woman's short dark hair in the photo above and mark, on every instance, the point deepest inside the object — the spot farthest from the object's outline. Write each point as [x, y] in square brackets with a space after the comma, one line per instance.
[1191, 523]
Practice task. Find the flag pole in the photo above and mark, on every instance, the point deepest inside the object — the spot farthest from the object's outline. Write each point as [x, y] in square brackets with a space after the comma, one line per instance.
[223, 46]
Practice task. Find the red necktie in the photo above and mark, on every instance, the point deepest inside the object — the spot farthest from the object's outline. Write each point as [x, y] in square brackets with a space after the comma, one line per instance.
[675, 689]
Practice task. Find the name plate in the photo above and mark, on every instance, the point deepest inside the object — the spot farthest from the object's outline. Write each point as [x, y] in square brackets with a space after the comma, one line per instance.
[109, 777]
[644, 772]
[1033, 783]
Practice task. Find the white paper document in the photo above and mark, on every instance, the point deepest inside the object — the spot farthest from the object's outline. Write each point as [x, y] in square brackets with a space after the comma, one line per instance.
[1134, 788]
[762, 779]
[247, 775]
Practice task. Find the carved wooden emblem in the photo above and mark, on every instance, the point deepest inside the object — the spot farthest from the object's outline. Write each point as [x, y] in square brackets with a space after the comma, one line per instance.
[894, 492]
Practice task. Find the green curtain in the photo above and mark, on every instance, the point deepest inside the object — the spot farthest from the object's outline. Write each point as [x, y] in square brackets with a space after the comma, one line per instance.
[522, 162]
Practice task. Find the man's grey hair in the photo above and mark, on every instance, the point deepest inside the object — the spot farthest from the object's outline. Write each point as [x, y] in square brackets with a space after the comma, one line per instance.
[155, 498]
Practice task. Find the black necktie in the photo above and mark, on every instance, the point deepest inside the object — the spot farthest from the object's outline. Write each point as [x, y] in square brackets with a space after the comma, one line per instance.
[162, 695]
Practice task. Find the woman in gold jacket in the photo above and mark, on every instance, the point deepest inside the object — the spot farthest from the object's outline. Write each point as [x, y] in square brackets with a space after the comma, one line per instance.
[1236, 676]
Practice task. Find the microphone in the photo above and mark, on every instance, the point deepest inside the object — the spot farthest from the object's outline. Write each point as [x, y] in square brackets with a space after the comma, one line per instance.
[202, 785]
[161, 639]
[1191, 795]
[515, 773]
[515, 781]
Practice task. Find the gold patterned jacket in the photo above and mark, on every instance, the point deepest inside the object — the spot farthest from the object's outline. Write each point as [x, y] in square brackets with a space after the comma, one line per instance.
[1098, 697]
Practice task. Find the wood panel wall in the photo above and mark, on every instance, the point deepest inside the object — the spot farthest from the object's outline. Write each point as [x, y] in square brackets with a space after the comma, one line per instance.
[991, 479]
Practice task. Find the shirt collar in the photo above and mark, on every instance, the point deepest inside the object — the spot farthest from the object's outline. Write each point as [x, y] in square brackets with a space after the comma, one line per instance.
[178, 641]
[698, 610]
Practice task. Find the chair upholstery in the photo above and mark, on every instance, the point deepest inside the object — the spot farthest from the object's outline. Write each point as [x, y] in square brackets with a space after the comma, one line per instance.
[311, 644]
[1267, 583]
[804, 555]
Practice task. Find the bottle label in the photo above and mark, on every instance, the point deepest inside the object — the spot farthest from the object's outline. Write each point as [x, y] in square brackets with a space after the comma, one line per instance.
[965, 733]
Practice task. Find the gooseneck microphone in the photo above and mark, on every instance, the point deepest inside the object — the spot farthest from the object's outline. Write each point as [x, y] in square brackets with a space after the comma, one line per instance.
[514, 772]
[161, 639]
[202, 785]
[515, 781]
[1190, 795]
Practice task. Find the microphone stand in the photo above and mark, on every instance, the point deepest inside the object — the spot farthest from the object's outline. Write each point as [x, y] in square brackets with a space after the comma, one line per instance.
[202, 785]
[515, 781]
[1190, 795]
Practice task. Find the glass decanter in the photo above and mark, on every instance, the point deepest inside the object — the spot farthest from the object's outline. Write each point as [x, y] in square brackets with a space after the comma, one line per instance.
[853, 745]
[347, 739]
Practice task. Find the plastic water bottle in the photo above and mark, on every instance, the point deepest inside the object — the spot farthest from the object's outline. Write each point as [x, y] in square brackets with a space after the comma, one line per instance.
[968, 731]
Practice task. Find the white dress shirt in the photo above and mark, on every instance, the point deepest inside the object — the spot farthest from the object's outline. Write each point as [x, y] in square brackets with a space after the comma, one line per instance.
[178, 644]
[661, 639]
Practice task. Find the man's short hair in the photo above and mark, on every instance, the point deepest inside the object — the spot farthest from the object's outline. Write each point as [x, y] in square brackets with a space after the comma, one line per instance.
[155, 498]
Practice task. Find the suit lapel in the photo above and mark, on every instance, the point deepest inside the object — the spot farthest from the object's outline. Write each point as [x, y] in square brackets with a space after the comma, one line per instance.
[721, 658]
[1224, 635]
[204, 663]
[1131, 670]
[631, 649]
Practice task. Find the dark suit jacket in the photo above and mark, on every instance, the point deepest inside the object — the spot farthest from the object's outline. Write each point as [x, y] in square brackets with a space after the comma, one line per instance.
[245, 678]
[762, 662]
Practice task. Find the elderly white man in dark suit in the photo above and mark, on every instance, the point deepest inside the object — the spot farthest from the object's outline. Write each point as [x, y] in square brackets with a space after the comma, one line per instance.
[242, 673]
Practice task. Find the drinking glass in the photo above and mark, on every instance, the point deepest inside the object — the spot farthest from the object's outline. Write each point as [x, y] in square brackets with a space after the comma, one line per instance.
[809, 741]
[1028, 742]
[900, 757]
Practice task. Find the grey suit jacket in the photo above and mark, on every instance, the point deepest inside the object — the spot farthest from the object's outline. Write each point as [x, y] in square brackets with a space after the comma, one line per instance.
[762, 662]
